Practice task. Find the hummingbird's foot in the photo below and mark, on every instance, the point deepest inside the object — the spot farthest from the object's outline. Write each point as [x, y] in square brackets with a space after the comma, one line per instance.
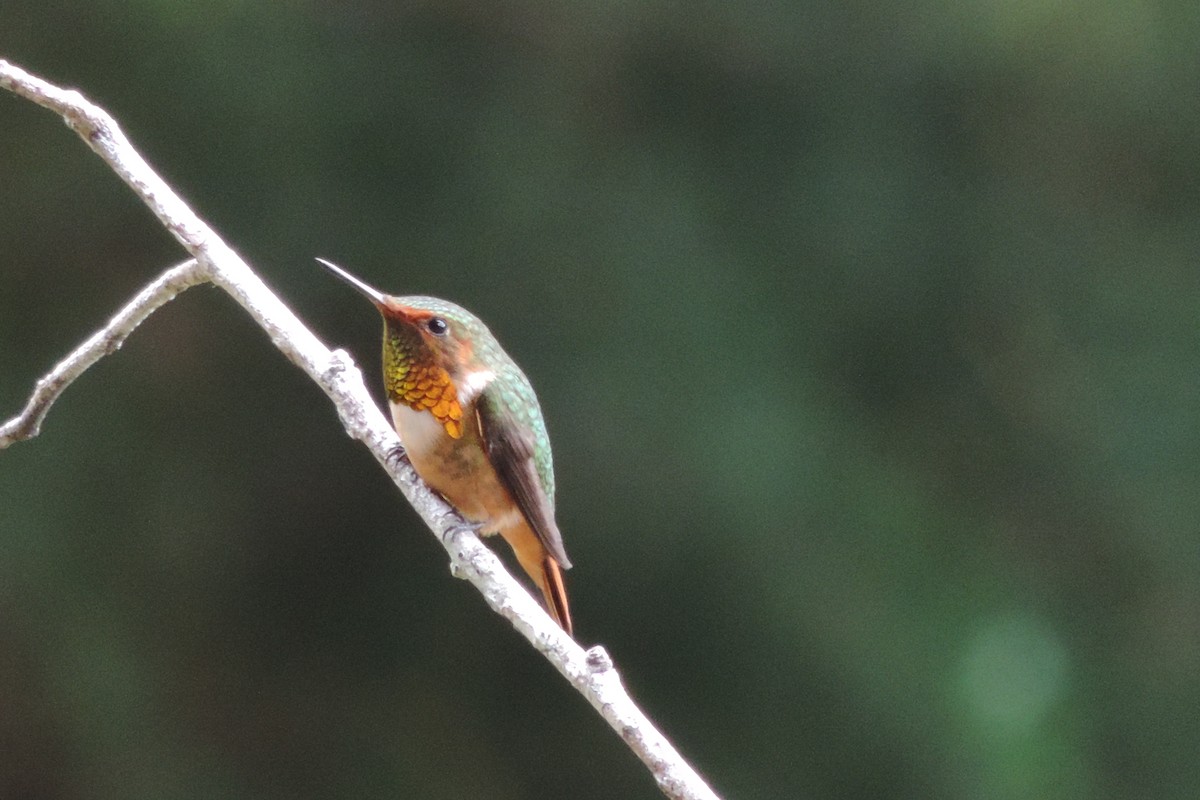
[450, 534]
[397, 457]
[458, 528]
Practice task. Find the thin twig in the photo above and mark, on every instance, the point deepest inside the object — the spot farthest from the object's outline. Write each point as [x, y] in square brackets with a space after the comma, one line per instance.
[103, 342]
[591, 672]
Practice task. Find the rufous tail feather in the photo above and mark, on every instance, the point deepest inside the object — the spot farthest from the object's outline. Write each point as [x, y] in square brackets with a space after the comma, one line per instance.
[543, 569]
[555, 593]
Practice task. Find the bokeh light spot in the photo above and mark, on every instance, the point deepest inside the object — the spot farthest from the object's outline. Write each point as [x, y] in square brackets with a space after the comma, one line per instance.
[1013, 670]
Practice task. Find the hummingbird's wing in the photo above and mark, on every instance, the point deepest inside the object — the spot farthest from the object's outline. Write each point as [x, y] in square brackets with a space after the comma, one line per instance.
[509, 445]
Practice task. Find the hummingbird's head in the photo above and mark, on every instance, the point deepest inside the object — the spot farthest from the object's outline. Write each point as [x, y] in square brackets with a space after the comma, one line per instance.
[434, 352]
[430, 359]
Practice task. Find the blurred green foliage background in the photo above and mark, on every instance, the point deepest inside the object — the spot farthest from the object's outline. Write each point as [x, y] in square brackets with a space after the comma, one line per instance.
[866, 334]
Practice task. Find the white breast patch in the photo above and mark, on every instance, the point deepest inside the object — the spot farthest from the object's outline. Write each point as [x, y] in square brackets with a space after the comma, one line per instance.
[419, 430]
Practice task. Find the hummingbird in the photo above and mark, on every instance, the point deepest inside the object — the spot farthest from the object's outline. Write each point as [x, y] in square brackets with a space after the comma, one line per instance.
[472, 428]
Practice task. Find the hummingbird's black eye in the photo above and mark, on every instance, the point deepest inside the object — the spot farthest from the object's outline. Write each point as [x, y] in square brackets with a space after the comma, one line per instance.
[437, 326]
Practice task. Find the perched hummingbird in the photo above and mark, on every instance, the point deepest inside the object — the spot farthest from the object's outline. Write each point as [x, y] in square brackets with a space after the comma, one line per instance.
[472, 428]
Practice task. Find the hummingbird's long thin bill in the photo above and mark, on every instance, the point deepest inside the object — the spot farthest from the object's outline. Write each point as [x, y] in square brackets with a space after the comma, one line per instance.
[377, 297]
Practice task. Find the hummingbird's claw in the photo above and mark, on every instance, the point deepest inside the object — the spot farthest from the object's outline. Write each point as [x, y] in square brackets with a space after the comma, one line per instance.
[459, 528]
[451, 533]
[396, 457]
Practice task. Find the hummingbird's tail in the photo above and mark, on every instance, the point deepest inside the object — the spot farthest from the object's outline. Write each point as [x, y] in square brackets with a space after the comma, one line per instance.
[555, 593]
[543, 569]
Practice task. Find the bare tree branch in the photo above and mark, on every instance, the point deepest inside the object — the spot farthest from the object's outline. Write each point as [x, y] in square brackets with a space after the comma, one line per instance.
[591, 672]
[103, 342]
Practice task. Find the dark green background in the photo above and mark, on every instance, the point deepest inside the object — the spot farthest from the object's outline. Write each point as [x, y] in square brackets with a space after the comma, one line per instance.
[866, 335]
